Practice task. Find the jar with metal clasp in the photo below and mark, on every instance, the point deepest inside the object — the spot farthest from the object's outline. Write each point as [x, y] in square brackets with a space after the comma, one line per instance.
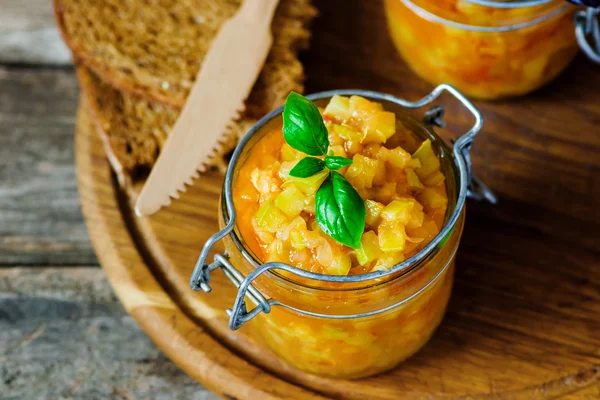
[348, 326]
[492, 49]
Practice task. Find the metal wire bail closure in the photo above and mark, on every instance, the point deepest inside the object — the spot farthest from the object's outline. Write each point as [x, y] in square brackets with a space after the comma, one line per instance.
[587, 24]
[469, 186]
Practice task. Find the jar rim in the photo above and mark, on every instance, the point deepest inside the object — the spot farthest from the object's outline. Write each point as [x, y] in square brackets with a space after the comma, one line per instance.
[458, 165]
[428, 15]
[509, 3]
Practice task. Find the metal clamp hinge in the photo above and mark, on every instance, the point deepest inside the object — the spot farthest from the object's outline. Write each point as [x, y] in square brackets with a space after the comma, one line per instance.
[587, 24]
[476, 189]
[239, 314]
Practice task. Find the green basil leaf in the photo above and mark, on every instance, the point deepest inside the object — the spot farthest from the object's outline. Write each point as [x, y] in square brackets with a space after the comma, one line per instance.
[303, 126]
[307, 167]
[340, 210]
[336, 162]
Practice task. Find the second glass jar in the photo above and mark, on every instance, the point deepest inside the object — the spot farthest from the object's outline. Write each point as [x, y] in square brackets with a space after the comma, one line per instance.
[500, 49]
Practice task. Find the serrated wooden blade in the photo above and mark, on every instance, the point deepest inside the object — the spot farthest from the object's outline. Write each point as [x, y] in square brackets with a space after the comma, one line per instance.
[229, 71]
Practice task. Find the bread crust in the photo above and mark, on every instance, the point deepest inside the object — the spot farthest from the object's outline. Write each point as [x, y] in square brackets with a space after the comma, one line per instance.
[133, 119]
[282, 73]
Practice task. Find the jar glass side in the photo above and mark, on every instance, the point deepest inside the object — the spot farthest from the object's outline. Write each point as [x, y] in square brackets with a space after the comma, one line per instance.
[403, 309]
[360, 346]
[485, 64]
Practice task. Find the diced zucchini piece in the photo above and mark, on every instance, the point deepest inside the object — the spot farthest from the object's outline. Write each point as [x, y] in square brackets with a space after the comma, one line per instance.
[398, 211]
[291, 201]
[369, 248]
[433, 198]
[297, 240]
[416, 219]
[308, 186]
[379, 127]
[392, 237]
[397, 157]
[429, 160]
[388, 260]
[338, 107]
[340, 265]
[374, 209]
[269, 217]
[434, 179]
[338, 150]
[413, 180]
[347, 133]
[362, 171]
[290, 154]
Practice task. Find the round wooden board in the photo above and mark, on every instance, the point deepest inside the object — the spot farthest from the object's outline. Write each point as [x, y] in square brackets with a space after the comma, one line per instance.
[524, 319]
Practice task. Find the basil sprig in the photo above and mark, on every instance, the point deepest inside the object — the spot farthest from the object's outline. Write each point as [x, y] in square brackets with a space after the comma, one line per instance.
[340, 211]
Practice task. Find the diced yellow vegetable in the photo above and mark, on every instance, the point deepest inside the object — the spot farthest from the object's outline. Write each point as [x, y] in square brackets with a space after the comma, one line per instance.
[269, 217]
[296, 224]
[432, 198]
[278, 250]
[398, 211]
[353, 147]
[309, 205]
[379, 127]
[338, 107]
[338, 150]
[362, 171]
[285, 168]
[324, 254]
[429, 160]
[291, 201]
[397, 157]
[297, 240]
[392, 237]
[359, 106]
[313, 239]
[380, 174]
[369, 249]
[264, 180]
[308, 186]
[373, 212]
[386, 193]
[388, 260]
[413, 180]
[416, 218]
[340, 265]
[347, 133]
[413, 163]
[290, 154]
[434, 179]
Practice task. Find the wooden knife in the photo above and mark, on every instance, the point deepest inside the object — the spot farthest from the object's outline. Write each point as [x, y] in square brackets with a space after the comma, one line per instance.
[228, 73]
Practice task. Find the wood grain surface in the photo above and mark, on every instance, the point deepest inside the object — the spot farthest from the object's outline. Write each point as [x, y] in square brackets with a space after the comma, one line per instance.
[40, 219]
[61, 327]
[63, 334]
[523, 320]
[28, 34]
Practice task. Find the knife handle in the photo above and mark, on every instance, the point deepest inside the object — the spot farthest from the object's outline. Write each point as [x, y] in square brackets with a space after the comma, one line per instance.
[257, 10]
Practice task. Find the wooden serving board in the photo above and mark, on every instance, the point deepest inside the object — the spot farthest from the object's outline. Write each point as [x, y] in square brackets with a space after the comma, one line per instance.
[524, 319]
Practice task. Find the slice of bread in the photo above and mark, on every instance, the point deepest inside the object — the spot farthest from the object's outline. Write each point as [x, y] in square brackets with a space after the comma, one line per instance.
[154, 49]
[133, 130]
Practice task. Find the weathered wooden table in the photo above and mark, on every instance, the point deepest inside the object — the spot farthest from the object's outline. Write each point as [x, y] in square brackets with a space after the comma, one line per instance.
[63, 334]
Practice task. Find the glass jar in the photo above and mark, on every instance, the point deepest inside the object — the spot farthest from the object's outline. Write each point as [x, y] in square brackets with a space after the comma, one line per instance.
[347, 326]
[486, 48]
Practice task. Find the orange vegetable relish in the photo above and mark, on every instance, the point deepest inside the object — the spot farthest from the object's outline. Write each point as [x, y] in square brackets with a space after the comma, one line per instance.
[405, 196]
[406, 202]
[487, 65]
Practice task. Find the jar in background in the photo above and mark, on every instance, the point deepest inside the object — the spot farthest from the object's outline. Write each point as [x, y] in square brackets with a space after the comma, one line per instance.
[485, 48]
[346, 326]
